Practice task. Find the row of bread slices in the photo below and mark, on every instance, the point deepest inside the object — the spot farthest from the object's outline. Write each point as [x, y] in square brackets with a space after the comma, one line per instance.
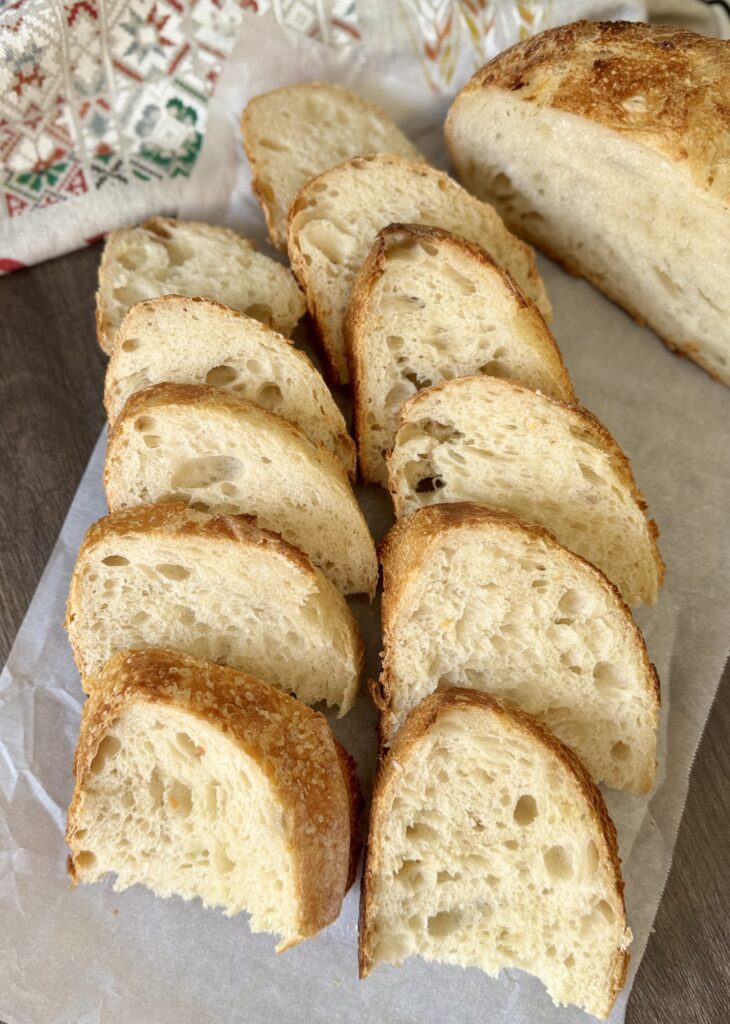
[202, 398]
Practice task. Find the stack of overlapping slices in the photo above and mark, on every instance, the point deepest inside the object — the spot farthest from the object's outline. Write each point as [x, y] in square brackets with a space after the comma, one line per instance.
[207, 608]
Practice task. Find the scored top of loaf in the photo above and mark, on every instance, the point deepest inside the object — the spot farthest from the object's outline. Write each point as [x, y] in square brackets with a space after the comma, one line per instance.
[663, 87]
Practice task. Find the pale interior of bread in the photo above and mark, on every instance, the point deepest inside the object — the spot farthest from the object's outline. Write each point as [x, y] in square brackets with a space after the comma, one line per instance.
[220, 462]
[514, 450]
[243, 606]
[186, 341]
[435, 313]
[599, 200]
[349, 205]
[174, 804]
[490, 856]
[195, 259]
[489, 611]
[297, 133]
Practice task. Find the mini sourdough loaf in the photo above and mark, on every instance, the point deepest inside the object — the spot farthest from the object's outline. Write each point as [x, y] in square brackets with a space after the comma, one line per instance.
[164, 256]
[608, 145]
[551, 464]
[295, 133]
[217, 588]
[474, 598]
[199, 781]
[220, 453]
[196, 341]
[489, 846]
[335, 217]
[426, 306]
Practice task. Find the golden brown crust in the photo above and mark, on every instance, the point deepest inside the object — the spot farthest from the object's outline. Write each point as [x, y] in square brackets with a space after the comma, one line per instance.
[397, 235]
[597, 70]
[408, 546]
[415, 729]
[345, 444]
[349, 772]
[261, 188]
[178, 521]
[592, 429]
[291, 744]
[306, 196]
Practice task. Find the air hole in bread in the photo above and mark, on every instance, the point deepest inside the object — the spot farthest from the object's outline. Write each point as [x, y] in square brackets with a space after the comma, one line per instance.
[155, 788]
[259, 311]
[443, 924]
[574, 603]
[591, 858]
[269, 393]
[206, 471]
[173, 572]
[590, 475]
[493, 369]
[607, 678]
[667, 283]
[222, 862]
[419, 831]
[115, 560]
[558, 862]
[273, 144]
[220, 376]
[130, 344]
[144, 424]
[605, 909]
[106, 750]
[394, 342]
[230, 490]
[85, 860]
[620, 751]
[525, 810]
[151, 440]
[180, 799]
[428, 484]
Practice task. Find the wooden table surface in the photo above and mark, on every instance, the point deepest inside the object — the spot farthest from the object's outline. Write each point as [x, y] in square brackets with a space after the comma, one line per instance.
[51, 374]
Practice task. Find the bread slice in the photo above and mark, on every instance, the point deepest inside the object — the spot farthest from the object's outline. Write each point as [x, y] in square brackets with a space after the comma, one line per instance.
[607, 145]
[296, 132]
[552, 464]
[220, 453]
[475, 598]
[426, 306]
[197, 341]
[489, 846]
[335, 217]
[217, 588]
[164, 256]
[196, 780]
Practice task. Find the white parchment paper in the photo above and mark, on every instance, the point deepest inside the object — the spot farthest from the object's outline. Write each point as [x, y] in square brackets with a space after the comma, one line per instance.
[91, 955]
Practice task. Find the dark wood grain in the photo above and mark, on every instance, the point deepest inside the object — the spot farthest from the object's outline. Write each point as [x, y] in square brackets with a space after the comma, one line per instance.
[51, 374]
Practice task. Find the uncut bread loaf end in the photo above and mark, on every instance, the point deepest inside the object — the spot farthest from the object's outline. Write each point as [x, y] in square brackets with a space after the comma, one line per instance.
[607, 144]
